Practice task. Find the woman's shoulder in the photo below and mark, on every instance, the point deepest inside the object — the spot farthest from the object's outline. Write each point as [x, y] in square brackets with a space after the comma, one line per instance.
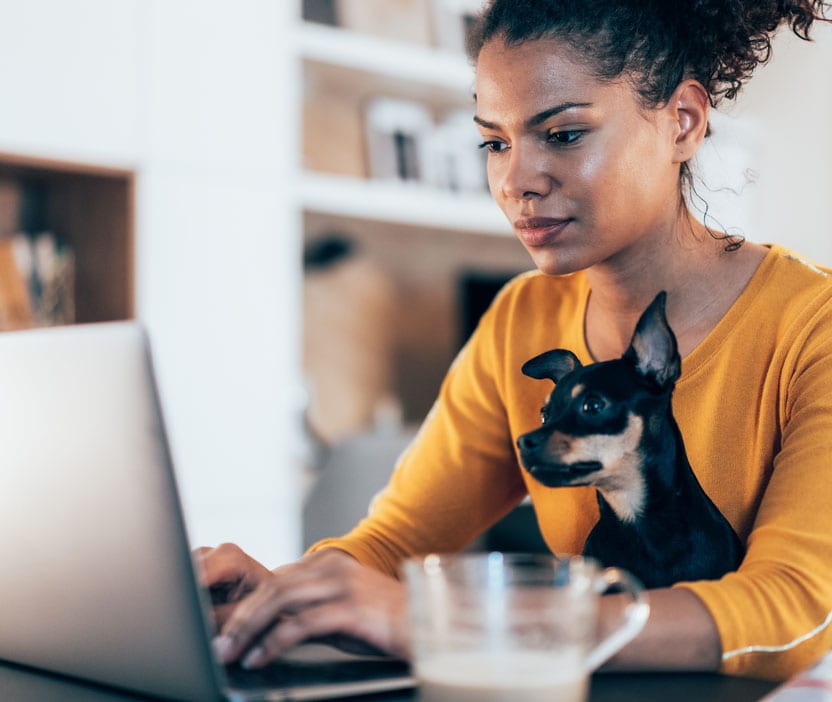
[791, 295]
[793, 285]
[540, 289]
[798, 273]
[535, 311]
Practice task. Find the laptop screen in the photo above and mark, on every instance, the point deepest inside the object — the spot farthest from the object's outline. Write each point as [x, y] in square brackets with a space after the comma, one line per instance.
[99, 582]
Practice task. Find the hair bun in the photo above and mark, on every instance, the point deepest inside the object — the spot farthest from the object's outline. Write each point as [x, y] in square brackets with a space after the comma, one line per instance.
[731, 38]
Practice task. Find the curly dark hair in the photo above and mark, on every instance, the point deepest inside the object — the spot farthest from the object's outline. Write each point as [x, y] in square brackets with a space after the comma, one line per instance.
[656, 43]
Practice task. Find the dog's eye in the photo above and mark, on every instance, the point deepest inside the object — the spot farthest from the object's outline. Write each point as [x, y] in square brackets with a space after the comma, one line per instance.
[544, 416]
[593, 404]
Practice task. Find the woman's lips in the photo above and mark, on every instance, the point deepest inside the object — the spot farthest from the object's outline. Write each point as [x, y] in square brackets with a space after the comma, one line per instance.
[539, 231]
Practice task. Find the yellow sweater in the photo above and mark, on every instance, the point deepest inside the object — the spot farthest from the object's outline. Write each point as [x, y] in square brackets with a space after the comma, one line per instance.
[754, 404]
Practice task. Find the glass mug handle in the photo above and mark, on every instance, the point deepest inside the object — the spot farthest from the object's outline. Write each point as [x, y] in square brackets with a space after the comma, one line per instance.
[633, 620]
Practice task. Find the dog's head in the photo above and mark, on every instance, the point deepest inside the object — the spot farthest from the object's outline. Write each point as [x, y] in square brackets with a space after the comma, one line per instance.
[595, 420]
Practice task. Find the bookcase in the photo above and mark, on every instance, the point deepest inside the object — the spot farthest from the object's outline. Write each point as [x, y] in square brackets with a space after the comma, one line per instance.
[427, 239]
[89, 209]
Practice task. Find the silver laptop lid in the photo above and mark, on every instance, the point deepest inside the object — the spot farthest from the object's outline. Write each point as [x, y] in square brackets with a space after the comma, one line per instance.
[96, 579]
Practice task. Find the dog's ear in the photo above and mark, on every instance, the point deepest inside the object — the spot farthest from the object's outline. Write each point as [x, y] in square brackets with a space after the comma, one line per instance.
[553, 365]
[653, 348]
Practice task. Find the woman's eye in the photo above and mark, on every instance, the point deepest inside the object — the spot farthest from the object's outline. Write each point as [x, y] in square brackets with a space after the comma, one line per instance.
[565, 137]
[494, 147]
[593, 404]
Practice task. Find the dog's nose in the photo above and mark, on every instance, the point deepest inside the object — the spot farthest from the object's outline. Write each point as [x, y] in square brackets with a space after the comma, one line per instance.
[530, 441]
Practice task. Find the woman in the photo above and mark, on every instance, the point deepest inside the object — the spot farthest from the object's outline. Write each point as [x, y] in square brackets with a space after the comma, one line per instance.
[591, 113]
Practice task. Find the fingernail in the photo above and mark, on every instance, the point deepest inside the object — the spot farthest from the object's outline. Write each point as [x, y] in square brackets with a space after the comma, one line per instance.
[222, 646]
[255, 658]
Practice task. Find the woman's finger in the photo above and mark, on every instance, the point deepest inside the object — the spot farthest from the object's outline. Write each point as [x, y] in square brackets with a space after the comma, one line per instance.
[314, 622]
[249, 620]
[227, 563]
[220, 614]
[324, 594]
[273, 599]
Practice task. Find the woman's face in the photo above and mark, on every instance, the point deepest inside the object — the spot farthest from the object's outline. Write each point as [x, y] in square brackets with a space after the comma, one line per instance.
[582, 171]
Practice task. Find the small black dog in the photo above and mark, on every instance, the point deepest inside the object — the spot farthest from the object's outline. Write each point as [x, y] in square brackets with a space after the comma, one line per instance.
[610, 425]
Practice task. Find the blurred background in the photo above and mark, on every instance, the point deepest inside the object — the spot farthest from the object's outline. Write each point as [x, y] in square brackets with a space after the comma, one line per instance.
[289, 196]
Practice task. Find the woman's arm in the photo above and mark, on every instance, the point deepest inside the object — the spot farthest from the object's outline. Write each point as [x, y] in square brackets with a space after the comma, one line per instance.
[680, 634]
[328, 595]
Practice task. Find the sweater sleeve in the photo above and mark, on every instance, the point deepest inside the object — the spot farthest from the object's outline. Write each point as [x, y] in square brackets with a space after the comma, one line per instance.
[458, 476]
[774, 615]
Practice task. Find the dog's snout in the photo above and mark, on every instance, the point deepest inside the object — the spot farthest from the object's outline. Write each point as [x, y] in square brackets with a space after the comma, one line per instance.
[531, 441]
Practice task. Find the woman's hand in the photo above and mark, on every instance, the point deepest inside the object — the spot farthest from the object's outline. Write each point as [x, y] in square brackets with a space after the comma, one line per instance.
[326, 596]
[230, 575]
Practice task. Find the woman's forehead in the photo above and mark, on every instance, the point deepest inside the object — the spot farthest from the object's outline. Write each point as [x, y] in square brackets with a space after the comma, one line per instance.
[535, 75]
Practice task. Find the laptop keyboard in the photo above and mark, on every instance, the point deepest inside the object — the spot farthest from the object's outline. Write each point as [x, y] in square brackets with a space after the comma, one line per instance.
[292, 674]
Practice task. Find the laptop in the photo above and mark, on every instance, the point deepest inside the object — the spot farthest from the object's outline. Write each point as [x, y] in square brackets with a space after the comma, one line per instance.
[97, 579]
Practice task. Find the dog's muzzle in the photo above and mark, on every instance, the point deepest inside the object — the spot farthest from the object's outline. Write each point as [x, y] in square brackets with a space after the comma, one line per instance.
[561, 474]
[545, 468]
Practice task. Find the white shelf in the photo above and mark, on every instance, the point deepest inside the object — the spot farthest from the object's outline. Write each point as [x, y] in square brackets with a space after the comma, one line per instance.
[401, 203]
[411, 63]
[366, 65]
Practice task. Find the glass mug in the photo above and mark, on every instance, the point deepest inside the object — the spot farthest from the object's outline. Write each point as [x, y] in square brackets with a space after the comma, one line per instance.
[495, 627]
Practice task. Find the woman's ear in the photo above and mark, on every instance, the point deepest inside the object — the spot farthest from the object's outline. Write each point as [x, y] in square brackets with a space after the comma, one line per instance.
[690, 107]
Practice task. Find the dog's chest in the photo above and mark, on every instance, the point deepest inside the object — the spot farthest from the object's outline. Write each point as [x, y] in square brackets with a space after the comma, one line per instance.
[677, 546]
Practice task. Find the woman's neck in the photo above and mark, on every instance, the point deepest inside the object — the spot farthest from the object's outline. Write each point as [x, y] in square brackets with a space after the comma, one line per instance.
[701, 278]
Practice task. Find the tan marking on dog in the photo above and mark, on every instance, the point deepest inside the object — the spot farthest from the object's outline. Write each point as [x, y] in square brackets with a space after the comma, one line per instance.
[577, 390]
[558, 445]
[620, 480]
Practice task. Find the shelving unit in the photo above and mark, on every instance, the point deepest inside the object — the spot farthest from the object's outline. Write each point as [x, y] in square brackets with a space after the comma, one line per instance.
[435, 69]
[425, 240]
[354, 68]
[408, 204]
[91, 209]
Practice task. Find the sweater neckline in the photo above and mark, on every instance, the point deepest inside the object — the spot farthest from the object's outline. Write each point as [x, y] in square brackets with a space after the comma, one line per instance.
[711, 344]
[715, 338]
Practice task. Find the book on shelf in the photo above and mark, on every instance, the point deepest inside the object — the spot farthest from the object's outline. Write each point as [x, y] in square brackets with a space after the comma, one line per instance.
[441, 23]
[9, 206]
[453, 21]
[37, 281]
[15, 300]
[403, 20]
[406, 142]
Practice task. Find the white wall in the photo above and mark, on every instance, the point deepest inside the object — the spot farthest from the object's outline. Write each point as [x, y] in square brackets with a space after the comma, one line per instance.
[197, 97]
[219, 252]
[69, 79]
[779, 128]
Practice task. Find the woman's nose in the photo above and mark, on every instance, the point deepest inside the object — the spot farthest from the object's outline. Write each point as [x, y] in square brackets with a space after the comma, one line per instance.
[524, 175]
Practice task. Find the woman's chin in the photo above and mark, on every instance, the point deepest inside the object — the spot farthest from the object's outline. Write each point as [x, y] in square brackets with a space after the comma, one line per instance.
[556, 263]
